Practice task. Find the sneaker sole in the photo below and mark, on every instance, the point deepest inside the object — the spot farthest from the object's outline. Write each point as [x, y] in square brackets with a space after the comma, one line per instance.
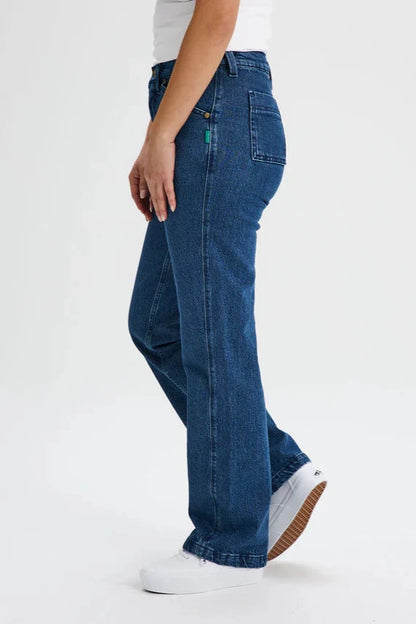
[298, 523]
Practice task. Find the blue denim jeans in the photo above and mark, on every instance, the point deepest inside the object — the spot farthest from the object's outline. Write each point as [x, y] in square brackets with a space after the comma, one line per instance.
[192, 309]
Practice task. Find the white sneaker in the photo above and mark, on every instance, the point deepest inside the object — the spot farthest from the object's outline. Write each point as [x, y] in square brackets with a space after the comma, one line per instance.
[291, 506]
[186, 573]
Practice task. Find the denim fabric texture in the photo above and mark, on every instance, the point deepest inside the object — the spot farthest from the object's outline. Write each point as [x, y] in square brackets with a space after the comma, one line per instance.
[191, 313]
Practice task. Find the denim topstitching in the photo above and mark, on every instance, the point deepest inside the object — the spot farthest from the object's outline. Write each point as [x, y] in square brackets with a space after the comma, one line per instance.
[156, 298]
[207, 298]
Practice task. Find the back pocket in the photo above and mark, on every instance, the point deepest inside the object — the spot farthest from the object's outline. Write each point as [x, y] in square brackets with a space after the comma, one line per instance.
[267, 136]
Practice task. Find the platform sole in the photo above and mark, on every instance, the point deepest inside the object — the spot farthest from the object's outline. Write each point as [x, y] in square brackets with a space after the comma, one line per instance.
[298, 524]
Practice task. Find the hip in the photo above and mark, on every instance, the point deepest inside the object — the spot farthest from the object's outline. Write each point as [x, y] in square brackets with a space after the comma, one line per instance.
[236, 125]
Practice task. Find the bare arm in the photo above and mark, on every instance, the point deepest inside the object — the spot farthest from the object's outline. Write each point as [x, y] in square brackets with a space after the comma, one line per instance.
[201, 51]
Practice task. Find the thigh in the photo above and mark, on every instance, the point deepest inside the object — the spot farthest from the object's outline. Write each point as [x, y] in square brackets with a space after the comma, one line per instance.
[230, 156]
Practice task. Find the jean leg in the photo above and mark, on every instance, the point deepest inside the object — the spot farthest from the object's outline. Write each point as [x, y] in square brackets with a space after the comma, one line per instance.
[154, 326]
[153, 318]
[192, 316]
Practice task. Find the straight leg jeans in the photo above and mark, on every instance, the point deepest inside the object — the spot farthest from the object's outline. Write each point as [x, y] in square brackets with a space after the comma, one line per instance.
[192, 308]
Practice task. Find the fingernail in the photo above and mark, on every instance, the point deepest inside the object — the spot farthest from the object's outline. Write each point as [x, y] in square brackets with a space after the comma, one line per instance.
[142, 193]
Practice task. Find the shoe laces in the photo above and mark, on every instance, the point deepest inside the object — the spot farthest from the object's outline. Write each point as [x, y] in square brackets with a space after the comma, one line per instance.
[186, 555]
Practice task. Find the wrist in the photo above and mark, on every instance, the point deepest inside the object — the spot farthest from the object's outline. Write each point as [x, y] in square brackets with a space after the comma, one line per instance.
[159, 133]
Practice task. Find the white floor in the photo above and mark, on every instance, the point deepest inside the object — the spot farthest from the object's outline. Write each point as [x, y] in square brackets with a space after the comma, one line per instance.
[87, 500]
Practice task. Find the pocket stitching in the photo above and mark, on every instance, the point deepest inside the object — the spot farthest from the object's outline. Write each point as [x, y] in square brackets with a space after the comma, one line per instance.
[196, 109]
[255, 153]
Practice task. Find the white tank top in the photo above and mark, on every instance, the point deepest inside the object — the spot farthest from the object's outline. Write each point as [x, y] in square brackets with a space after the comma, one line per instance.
[171, 18]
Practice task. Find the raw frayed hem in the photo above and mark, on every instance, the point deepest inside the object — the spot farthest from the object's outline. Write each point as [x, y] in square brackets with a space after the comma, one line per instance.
[237, 560]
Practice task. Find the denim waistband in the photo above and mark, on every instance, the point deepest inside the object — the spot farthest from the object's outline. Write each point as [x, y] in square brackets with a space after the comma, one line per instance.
[231, 61]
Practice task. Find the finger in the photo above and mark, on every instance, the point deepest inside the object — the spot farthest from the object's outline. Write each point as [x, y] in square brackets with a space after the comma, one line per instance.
[170, 194]
[143, 190]
[148, 213]
[159, 200]
[144, 193]
[134, 181]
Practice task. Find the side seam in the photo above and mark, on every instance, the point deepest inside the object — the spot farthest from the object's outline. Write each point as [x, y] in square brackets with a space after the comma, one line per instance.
[208, 303]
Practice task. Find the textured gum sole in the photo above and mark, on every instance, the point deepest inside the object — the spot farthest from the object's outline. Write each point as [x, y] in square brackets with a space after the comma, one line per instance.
[298, 523]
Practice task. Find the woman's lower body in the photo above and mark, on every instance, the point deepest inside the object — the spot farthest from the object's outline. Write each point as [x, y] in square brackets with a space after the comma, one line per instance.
[192, 309]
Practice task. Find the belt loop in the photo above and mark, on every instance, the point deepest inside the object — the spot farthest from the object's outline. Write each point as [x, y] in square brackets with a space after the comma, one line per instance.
[232, 63]
[155, 73]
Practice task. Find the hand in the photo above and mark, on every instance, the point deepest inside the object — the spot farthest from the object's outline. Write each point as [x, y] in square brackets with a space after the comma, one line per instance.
[151, 178]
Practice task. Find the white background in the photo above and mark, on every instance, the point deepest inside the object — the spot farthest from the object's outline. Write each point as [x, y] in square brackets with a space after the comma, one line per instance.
[92, 455]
